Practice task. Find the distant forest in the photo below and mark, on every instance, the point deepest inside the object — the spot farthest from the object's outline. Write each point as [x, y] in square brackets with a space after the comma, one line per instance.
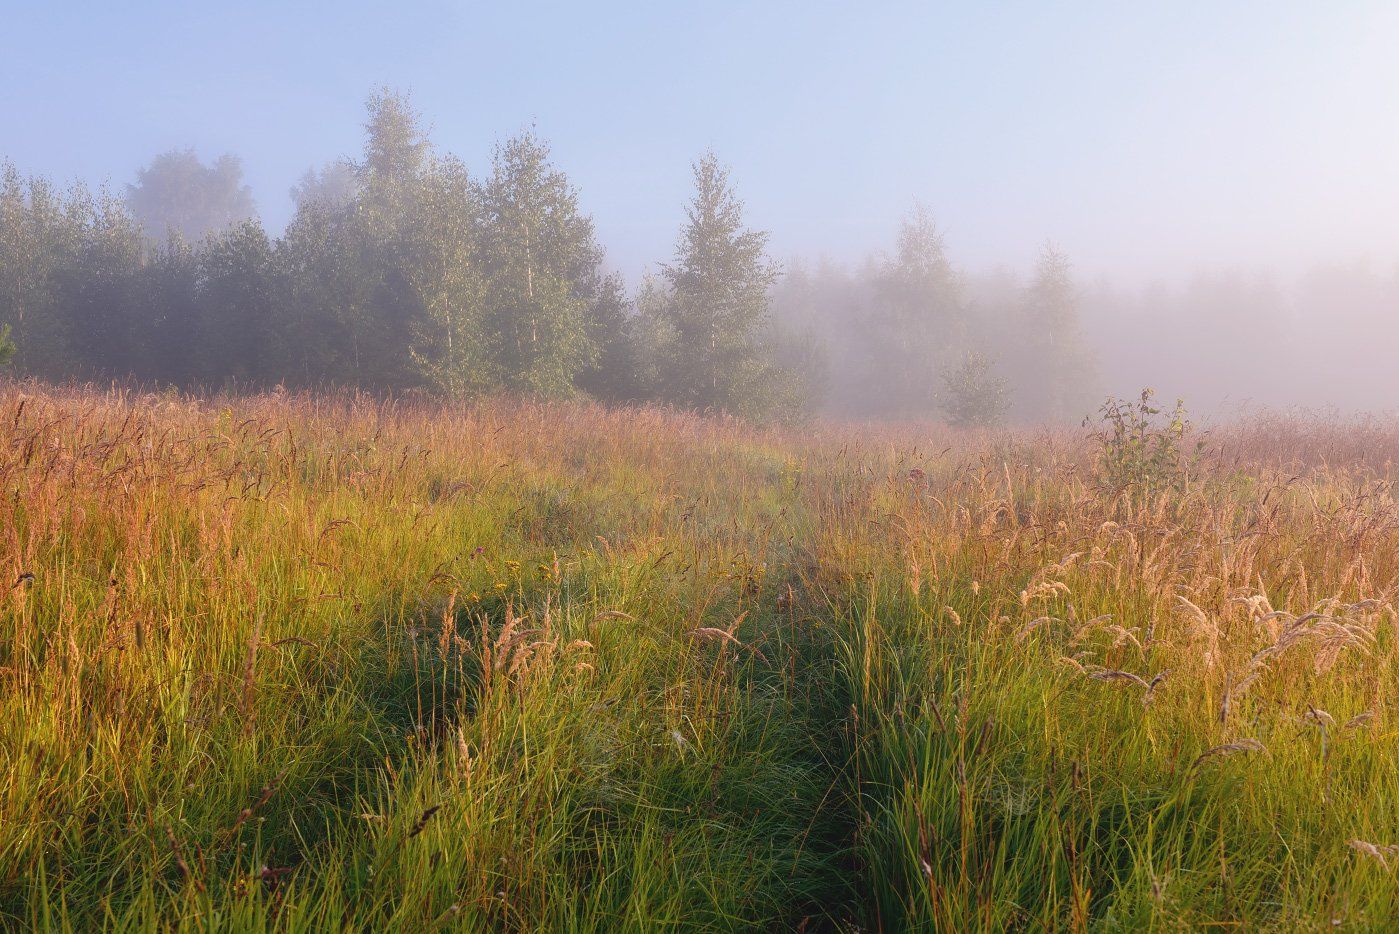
[403, 271]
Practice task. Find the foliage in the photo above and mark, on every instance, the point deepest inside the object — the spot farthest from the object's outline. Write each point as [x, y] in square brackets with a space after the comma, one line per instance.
[896, 329]
[973, 396]
[7, 345]
[1142, 448]
[99, 299]
[716, 306]
[398, 271]
[240, 332]
[919, 309]
[541, 267]
[334, 186]
[38, 236]
[616, 371]
[176, 194]
[322, 662]
[402, 271]
[448, 347]
[1057, 368]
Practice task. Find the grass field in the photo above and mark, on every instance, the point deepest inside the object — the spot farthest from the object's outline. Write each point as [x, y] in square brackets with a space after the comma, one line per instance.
[298, 663]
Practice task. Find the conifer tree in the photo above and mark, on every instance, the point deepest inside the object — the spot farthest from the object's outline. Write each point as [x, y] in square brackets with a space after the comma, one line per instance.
[919, 317]
[165, 321]
[616, 371]
[352, 302]
[717, 306]
[385, 309]
[1058, 377]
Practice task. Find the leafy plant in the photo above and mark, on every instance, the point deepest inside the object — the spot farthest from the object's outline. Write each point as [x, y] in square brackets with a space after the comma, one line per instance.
[1142, 446]
[973, 396]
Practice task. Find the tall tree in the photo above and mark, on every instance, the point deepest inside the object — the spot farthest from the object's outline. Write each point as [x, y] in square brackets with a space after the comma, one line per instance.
[241, 337]
[717, 305]
[653, 338]
[333, 186]
[40, 231]
[449, 349]
[320, 287]
[97, 300]
[385, 309]
[177, 193]
[1057, 378]
[541, 264]
[616, 371]
[396, 148]
[165, 322]
[919, 316]
[352, 302]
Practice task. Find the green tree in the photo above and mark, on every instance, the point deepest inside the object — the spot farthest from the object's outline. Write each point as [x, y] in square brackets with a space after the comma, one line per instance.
[616, 373]
[1057, 378]
[651, 332]
[318, 282]
[7, 345]
[97, 292]
[919, 317]
[448, 349]
[178, 193]
[397, 148]
[540, 262]
[381, 307]
[351, 307]
[240, 334]
[165, 317]
[718, 355]
[973, 396]
[334, 186]
[40, 232]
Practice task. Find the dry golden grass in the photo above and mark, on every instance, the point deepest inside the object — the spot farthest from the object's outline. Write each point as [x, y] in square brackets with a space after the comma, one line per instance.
[305, 662]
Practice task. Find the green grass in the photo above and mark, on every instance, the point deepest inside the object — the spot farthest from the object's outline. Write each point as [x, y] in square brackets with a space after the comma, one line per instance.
[323, 663]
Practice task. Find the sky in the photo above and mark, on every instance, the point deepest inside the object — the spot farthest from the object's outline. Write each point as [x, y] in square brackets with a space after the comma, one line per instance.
[1143, 137]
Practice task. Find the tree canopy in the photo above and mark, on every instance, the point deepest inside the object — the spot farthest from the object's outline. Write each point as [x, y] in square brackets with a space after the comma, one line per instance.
[177, 193]
[401, 269]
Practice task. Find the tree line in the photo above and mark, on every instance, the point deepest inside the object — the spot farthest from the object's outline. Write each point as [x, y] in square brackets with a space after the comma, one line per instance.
[401, 270]
[908, 333]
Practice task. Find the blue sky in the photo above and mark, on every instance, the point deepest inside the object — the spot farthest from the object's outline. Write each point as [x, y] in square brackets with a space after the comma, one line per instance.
[1144, 137]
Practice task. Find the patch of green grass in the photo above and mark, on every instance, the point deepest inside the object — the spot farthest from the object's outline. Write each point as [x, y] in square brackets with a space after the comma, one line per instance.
[321, 663]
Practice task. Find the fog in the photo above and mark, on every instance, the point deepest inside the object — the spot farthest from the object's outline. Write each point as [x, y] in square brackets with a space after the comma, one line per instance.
[1227, 339]
[1199, 198]
[1235, 340]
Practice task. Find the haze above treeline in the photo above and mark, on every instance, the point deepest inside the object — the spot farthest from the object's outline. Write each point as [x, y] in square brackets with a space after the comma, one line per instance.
[1200, 200]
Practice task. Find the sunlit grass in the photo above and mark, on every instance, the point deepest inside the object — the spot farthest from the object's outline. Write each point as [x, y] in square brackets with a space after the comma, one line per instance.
[315, 662]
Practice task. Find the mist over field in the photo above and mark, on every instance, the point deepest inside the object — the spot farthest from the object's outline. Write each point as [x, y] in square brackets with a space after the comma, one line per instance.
[783, 466]
[1052, 206]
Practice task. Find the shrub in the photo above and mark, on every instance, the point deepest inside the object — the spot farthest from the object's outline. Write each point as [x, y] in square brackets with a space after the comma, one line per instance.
[972, 395]
[1142, 447]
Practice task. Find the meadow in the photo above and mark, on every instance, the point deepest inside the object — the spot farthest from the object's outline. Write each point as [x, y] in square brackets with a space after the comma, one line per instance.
[298, 662]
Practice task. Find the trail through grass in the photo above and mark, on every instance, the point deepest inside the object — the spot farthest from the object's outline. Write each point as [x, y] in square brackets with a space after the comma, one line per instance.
[321, 663]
